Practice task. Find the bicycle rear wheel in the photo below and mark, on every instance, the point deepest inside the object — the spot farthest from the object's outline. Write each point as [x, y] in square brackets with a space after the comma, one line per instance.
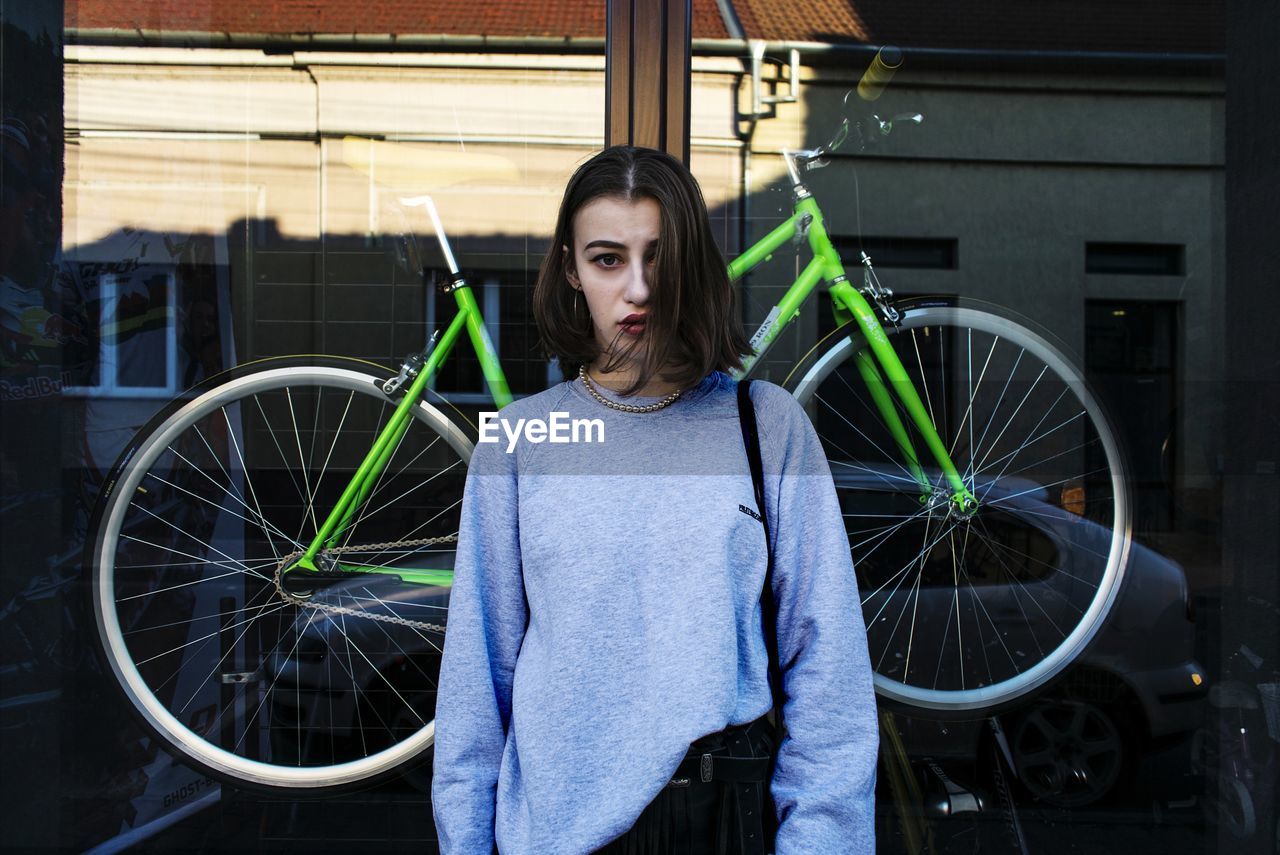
[969, 613]
[255, 683]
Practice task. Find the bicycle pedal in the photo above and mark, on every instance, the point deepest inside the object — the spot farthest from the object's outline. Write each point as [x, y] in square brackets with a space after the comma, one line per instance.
[944, 797]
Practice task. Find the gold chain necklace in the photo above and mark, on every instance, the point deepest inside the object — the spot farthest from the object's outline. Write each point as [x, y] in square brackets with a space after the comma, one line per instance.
[626, 408]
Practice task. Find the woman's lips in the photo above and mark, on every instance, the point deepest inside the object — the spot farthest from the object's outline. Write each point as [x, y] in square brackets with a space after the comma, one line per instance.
[632, 325]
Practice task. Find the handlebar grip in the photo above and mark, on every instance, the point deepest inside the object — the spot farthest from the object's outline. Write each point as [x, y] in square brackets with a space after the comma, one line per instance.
[879, 73]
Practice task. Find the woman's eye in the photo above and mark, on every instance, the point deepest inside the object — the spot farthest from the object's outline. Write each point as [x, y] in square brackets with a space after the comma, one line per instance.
[607, 260]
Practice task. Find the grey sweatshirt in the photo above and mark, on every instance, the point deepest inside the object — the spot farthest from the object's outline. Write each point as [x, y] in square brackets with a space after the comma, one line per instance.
[605, 613]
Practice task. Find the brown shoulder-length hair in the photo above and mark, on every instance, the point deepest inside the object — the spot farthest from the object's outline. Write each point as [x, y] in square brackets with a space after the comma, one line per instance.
[692, 317]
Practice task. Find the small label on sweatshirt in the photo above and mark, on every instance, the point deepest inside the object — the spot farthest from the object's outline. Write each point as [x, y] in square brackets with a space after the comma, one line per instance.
[750, 513]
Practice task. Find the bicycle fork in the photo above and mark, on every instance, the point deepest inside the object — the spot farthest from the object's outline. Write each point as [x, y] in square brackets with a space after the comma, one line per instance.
[888, 375]
[850, 303]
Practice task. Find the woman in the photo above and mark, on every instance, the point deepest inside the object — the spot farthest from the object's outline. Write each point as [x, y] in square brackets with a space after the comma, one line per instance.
[605, 617]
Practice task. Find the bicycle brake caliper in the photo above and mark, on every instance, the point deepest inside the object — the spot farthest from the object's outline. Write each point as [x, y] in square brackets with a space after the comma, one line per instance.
[877, 293]
[410, 367]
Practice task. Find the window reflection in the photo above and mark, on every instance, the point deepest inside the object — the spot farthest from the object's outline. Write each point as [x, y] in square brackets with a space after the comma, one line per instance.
[186, 191]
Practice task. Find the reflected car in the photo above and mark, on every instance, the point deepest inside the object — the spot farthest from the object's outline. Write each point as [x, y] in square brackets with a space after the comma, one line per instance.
[348, 683]
[1074, 740]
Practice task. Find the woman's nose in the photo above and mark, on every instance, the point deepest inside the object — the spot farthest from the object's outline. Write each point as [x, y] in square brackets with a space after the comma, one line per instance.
[638, 284]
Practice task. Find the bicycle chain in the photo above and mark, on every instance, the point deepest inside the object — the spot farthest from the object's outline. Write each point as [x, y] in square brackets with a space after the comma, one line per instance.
[346, 610]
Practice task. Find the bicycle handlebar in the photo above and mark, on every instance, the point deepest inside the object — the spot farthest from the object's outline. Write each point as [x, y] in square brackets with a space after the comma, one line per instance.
[879, 73]
[865, 125]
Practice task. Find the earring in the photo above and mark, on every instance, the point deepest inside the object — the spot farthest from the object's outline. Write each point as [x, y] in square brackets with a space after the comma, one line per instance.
[575, 302]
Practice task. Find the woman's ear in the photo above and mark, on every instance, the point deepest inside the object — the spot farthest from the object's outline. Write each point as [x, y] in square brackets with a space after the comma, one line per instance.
[567, 261]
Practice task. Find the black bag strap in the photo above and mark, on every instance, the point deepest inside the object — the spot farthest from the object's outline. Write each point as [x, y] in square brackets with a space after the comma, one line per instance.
[768, 607]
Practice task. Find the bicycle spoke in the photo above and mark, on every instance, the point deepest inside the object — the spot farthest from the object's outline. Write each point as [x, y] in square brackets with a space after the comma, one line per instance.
[988, 542]
[197, 619]
[203, 644]
[378, 624]
[1057, 570]
[306, 475]
[919, 561]
[885, 537]
[410, 535]
[412, 489]
[994, 626]
[214, 456]
[861, 433]
[373, 598]
[889, 530]
[955, 598]
[888, 477]
[1087, 443]
[1011, 456]
[903, 572]
[1039, 487]
[350, 529]
[141, 662]
[915, 344]
[288, 469]
[955, 586]
[1029, 434]
[973, 596]
[337, 432]
[191, 537]
[231, 647]
[968, 418]
[1060, 515]
[995, 409]
[242, 570]
[258, 710]
[197, 562]
[906, 668]
[377, 488]
[261, 523]
[248, 480]
[1026, 620]
[995, 442]
[378, 673]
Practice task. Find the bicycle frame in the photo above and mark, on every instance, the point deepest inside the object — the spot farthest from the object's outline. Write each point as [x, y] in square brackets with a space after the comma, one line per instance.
[432, 357]
[849, 304]
[825, 266]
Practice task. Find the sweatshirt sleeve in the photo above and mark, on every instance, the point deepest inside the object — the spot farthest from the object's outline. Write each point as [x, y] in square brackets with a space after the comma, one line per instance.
[824, 778]
[486, 625]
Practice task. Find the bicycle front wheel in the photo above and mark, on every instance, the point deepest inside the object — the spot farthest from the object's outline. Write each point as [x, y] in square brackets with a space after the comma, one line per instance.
[969, 611]
[261, 683]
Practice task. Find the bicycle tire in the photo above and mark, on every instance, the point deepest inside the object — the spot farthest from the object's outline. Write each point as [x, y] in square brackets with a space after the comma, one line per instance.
[255, 688]
[1059, 523]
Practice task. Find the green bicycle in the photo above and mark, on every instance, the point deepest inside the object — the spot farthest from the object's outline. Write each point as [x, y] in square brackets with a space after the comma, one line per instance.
[272, 556]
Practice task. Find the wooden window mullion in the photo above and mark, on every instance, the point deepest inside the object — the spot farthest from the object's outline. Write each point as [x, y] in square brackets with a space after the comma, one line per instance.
[647, 63]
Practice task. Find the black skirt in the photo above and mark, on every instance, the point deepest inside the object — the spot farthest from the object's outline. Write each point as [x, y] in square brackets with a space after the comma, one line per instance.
[690, 816]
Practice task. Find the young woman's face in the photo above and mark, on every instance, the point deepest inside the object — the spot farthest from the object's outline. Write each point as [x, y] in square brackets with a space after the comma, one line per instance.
[615, 242]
